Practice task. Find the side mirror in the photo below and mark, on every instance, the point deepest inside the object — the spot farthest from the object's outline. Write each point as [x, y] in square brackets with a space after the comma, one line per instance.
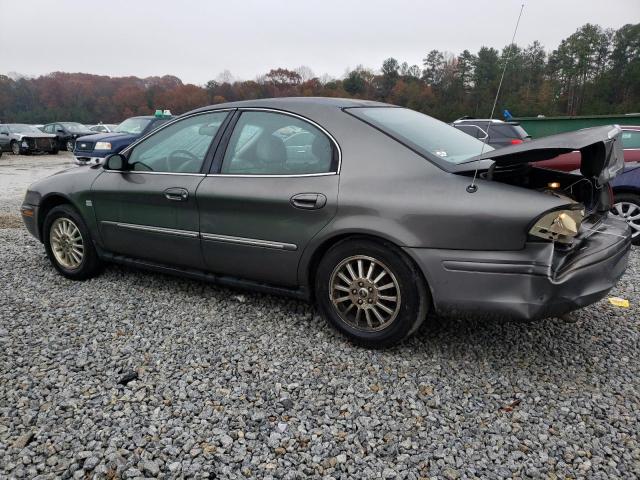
[116, 162]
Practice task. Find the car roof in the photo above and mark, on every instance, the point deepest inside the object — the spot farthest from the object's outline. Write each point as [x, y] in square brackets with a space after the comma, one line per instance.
[149, 117]
[293, 103]
[493, 120]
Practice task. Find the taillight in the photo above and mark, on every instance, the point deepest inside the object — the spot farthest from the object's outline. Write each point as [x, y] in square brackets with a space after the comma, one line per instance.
[516, 141]
[559, 225]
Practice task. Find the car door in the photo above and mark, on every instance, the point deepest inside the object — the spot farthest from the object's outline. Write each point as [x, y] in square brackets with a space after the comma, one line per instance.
[631, 145]
[5, 139]
[149, 211]
[263, 203]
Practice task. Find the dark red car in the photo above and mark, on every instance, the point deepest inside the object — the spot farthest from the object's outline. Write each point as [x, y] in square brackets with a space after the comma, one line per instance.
[571, 161]
[626, 186]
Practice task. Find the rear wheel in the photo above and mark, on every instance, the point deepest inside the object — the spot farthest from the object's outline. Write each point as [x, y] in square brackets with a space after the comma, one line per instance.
[627, 207]
[68, 244]
[15, 148]
[371, 292]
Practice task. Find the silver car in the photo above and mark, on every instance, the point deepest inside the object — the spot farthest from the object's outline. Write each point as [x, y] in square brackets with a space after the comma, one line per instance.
[21, 139]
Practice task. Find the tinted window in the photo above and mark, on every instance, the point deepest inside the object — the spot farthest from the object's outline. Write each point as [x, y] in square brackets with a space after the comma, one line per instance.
[472, 130]
[426, 135]
[75, 127]
[509, 131]
[265, 143]
[179, 148]
[631, 139]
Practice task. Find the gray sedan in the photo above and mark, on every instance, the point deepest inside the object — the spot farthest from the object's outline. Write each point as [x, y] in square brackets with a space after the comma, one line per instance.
[20, 138]
[377, 213]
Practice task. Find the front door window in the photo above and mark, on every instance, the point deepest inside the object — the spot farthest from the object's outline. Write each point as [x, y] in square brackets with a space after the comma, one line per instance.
[178, 148]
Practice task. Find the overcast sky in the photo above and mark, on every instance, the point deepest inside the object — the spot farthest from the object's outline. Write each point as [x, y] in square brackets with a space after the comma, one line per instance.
[196, 40]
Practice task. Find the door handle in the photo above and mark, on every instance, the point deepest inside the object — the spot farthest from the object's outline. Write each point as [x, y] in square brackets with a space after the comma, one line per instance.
[176, 194]
[308, 201]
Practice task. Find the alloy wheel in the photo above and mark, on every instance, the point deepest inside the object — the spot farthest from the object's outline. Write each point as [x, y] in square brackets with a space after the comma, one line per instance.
[365, 293]
[70, 146]
[630, 213]
[66, 243]
[15, 148]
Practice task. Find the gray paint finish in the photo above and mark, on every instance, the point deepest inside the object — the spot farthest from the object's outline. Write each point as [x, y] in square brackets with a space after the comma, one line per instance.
[247, 227]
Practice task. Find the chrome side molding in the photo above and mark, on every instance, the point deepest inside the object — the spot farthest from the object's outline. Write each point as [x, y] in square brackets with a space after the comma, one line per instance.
[249, 241]
[254, 242]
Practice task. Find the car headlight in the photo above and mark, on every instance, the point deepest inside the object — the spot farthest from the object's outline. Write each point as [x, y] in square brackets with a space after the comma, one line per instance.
[559, 225]
[102, 146]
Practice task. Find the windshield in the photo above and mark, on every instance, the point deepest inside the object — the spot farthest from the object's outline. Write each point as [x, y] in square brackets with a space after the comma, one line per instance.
[429, 137]
[75, 127]
[133, 125]
[22, 128]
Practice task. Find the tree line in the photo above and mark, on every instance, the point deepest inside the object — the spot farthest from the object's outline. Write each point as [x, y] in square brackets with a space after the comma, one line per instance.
[593, 71]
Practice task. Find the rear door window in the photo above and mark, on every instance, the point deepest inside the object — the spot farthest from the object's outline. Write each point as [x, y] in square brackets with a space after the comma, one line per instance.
[265, 143]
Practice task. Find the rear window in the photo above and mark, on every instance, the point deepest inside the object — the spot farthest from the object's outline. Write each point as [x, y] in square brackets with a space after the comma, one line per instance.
[509, 131]
[431, 138]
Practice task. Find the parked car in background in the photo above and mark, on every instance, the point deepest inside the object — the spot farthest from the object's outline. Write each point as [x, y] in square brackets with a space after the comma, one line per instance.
[103, 127]
[66, 133]
[92, 149]
[374, 212]
[626, 186]
[501, 134]
[21, 139]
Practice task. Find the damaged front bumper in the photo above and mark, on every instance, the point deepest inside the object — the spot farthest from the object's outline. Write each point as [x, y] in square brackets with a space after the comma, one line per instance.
[539, 281]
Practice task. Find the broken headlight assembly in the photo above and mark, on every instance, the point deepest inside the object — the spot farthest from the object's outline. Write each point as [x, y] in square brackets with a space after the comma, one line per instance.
[559, 225]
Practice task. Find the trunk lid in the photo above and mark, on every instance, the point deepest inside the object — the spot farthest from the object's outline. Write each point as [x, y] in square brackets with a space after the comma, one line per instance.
[600, 147]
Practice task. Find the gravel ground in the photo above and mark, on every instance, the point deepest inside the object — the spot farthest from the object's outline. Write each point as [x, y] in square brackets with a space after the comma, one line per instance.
[134, 375]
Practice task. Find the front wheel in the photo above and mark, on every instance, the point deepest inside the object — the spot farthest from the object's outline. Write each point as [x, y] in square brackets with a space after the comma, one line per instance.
[371, 292]
[15, 148]
[68, 244]
[627, 208]
[70, 145]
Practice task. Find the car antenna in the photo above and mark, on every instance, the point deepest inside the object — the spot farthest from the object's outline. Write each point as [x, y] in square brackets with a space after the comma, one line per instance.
[472, 187]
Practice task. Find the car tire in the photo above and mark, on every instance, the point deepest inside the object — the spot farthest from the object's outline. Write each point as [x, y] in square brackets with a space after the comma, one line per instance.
[15, 148]
[68, 244]
[357, 278]
[627, 205]
[69, 145]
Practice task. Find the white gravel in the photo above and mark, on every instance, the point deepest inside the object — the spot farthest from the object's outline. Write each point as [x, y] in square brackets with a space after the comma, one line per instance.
[233, 384]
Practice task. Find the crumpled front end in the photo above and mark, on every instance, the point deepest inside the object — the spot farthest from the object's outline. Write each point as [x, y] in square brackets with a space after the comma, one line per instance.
[542, 280]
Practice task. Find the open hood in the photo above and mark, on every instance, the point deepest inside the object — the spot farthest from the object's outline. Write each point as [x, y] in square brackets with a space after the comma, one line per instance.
[600, 147]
